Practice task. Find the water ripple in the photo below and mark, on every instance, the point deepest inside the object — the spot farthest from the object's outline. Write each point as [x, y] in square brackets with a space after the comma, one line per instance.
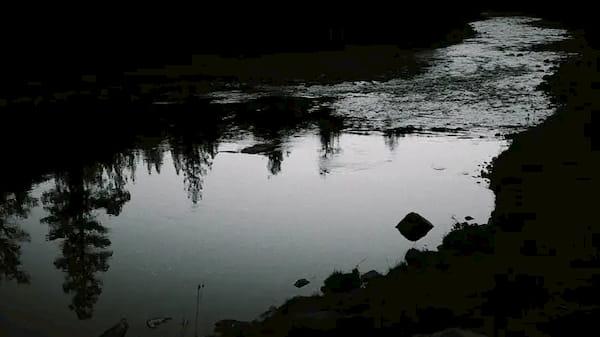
[485, 85]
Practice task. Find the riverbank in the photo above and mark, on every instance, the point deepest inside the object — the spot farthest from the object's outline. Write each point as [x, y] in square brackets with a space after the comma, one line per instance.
[530, 271]
[352, 63]
[205, 73]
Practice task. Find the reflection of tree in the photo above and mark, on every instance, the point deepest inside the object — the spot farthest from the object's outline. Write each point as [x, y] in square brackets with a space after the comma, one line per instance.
[154, 159]
[330, 128]
[392, 135]
[152, 153]
[194, 160]
[11, 235]
[391, 140]
[73, 202]
[274, 163]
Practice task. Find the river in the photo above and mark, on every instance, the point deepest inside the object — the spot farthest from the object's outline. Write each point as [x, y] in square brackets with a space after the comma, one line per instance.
[133, 237]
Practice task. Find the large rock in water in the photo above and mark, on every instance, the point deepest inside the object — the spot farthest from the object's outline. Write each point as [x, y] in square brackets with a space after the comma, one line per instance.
[413, 226]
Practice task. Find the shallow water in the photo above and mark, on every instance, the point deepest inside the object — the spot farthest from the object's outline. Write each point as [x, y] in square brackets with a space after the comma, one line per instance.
[133, 237]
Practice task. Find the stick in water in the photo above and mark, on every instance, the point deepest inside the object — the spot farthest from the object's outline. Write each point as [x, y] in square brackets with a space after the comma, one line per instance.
[198, 295]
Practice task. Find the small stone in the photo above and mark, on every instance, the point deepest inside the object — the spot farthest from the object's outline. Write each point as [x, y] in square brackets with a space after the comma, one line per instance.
[301, 283]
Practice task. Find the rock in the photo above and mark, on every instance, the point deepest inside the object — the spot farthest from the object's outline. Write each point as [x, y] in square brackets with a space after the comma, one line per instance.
[421, 258]
[301, 283]
[366, 277]
[469, 218]
[412, 255]
[413, 226]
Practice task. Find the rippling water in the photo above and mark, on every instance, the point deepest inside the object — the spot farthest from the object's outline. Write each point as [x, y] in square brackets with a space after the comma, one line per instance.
[133, 236]
[486, 84]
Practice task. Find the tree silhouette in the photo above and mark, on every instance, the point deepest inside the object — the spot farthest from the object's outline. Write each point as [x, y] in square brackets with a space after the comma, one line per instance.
[194, 160]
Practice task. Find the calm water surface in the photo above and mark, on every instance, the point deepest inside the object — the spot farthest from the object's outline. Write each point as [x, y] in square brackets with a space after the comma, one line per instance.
[133, 237]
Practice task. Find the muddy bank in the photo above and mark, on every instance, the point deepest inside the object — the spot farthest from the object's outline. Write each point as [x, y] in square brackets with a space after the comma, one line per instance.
[530, 271]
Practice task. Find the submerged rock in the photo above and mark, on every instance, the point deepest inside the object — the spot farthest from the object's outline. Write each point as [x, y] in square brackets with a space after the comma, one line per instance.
[118, 330]
[414, 227]
[301, 283]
